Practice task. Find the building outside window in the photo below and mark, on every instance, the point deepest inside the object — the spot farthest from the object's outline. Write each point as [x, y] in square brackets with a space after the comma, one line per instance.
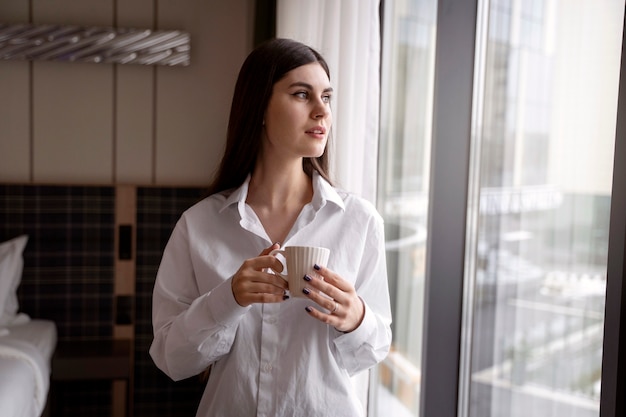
[545, 103]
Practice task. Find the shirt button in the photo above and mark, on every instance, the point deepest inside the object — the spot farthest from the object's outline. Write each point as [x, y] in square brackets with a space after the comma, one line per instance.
[267, 367]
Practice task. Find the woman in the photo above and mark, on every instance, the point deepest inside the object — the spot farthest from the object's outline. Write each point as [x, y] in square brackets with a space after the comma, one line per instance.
[216, 303]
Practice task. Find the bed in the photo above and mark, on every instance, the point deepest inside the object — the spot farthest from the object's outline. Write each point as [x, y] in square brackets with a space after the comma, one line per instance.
[26, 345]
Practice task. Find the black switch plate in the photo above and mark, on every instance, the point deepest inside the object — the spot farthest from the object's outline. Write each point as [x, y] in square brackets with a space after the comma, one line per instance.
[124, 309]
[125, 251]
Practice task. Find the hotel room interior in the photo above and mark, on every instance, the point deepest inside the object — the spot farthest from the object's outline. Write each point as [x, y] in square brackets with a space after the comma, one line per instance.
[490, 135]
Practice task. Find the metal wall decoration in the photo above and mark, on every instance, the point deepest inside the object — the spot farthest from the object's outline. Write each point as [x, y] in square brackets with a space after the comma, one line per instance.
[94, 44]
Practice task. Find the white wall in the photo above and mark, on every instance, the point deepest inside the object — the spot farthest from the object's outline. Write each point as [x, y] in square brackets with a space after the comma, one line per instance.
[84, 123]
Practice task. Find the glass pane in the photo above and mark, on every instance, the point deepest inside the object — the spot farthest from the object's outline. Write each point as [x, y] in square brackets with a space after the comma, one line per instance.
[544, 141]
[406, 124]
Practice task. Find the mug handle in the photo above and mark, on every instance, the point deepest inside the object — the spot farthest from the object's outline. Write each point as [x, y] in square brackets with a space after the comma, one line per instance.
[281, 252]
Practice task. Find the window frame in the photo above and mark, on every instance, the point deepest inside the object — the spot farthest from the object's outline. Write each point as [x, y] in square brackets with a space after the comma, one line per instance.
[612, 400]
[448, 203]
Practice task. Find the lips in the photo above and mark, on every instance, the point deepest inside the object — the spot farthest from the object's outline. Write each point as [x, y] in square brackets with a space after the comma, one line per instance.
[317, 130]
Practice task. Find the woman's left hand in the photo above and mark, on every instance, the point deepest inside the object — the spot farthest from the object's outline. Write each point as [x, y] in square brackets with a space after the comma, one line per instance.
[345, 307]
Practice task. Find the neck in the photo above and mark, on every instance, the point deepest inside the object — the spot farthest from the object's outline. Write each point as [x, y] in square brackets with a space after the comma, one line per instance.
[274, 186]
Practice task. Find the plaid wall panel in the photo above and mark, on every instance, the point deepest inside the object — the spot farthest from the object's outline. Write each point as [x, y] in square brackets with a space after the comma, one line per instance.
[68, 271]
[68, 261]
[69, 278]
[158, 209]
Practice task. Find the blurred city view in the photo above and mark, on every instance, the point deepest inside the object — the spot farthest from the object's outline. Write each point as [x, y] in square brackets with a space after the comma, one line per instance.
[545, 104]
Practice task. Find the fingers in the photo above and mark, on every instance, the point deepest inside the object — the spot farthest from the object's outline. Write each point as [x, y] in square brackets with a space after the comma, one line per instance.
[343, 317]
[263, 262]
[267, 251]
[334, 279]
[247, 292]
[254, 280]
[252, 284]
[342, 307]
[331, 284]
[255, 286]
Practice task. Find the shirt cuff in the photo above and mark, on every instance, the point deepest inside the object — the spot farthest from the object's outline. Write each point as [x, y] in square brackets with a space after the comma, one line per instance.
[222, 306]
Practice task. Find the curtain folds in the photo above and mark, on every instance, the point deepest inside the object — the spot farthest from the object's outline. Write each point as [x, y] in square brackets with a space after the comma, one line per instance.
[347, 34]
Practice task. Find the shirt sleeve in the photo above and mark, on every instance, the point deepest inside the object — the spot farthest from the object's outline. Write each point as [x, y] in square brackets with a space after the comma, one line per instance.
[191, 330]
[369, 343]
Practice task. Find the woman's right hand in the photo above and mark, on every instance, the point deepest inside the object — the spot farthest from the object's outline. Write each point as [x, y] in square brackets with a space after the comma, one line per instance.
[251, 284]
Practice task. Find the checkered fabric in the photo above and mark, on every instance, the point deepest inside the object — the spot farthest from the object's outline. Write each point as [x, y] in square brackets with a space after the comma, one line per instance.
[69, 277]
[68, 261]
[158, 209]
[68, 272]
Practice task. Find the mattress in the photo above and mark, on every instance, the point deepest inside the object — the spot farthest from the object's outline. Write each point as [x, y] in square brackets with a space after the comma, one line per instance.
[26, 349]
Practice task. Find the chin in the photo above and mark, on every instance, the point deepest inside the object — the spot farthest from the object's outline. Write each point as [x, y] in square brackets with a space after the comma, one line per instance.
[320, 152]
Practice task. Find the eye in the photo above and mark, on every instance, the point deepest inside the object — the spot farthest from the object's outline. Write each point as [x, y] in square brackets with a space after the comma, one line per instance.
[326, 98]
[301, 94]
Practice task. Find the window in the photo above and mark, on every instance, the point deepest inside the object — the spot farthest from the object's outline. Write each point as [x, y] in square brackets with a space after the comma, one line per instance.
[546, 135]
[520, 326]
[406, 126]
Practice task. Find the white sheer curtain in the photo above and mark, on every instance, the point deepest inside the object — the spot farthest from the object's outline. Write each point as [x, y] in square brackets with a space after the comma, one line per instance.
[347, 34]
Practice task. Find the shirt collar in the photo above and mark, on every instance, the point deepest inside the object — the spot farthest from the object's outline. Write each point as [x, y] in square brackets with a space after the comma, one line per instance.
[323, 192]
[238, 195]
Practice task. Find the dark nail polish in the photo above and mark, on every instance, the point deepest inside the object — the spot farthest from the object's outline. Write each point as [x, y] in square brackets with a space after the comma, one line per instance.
[317, 267]
[308, 309]
[306, 291]
[285, 297]
[307, 278]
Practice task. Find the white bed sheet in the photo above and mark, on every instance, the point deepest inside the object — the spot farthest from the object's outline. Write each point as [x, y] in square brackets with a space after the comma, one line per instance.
[25, 353]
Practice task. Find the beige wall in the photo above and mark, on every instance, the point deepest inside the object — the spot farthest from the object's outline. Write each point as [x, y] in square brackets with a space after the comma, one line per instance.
[84, 123]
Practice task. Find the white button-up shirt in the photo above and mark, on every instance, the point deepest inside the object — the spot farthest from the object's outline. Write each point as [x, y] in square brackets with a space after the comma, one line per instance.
[269, 359]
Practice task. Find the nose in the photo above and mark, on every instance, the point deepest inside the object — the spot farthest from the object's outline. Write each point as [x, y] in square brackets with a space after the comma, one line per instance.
[321, 109]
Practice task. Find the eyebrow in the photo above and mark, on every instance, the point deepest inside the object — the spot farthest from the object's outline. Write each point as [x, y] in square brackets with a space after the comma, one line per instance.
[308, 86]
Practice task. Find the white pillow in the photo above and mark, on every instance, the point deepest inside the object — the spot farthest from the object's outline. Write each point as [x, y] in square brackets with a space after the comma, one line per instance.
[11, 265]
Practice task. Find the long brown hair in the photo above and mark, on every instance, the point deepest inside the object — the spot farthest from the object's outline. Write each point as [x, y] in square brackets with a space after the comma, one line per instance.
[265, 66]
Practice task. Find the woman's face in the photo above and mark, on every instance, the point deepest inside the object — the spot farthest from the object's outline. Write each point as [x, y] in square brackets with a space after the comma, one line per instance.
[298, 116]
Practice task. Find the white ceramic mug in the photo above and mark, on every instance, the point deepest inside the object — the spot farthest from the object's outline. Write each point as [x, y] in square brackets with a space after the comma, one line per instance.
[300, 261]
